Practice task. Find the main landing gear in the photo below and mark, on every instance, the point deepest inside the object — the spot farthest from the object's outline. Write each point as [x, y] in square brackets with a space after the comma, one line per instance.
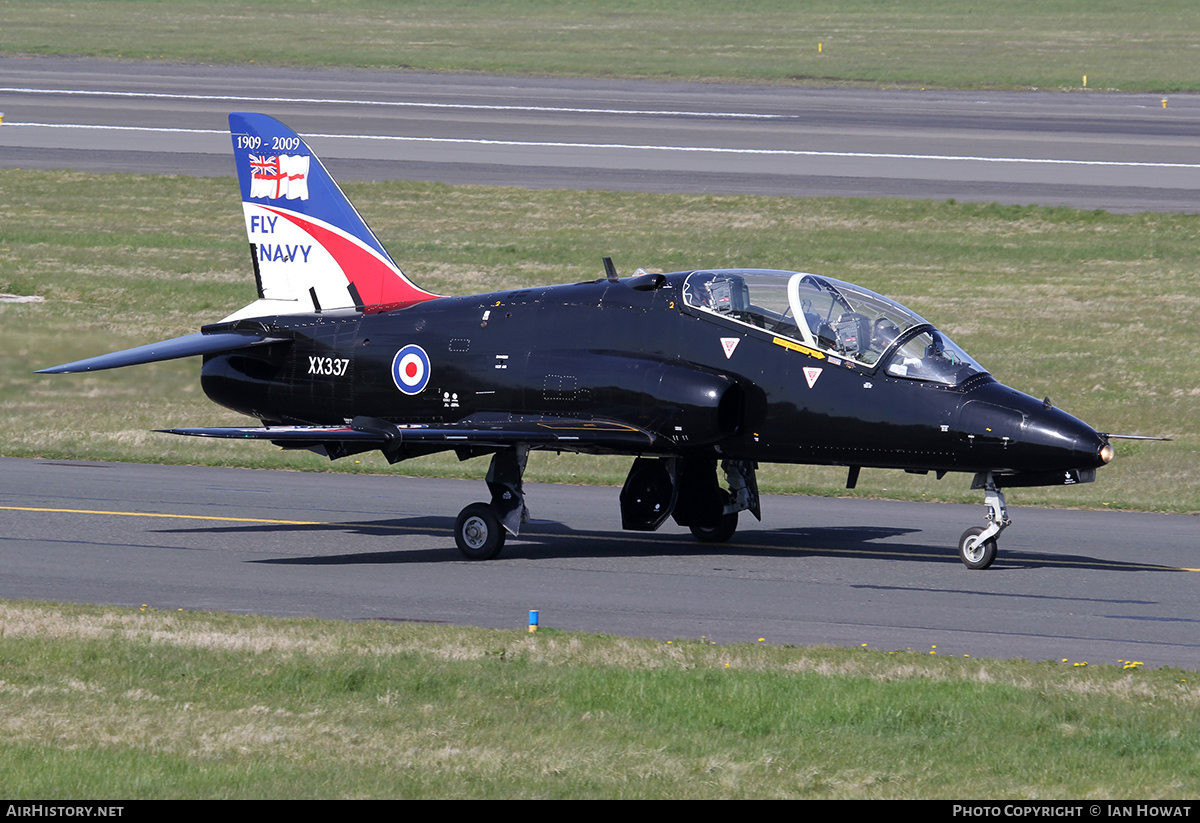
[977, 546]
[481, 528]
[685, 488]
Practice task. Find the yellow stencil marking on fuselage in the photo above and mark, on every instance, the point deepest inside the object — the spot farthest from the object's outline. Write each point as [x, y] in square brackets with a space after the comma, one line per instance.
[788, 344]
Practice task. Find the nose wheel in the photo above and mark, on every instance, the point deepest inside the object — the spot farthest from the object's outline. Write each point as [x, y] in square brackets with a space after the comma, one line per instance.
[974, 552]
[977, 547]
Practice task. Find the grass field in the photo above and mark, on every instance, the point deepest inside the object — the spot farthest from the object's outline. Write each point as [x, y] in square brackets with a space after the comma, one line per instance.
[1048, 44]
[1092, 309]
[126, 704]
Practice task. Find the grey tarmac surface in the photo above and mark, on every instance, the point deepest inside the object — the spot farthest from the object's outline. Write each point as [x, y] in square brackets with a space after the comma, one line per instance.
[1100, 587]
[1120, 152]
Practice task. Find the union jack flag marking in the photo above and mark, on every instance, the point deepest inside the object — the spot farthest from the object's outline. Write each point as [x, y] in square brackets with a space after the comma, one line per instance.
[284, 175]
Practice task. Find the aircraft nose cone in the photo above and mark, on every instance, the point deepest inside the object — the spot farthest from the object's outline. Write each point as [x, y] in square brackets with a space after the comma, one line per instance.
[1053, 431]
[1022, 433]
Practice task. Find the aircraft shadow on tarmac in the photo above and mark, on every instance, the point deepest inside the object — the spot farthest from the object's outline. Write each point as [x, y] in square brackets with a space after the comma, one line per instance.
[547, 539]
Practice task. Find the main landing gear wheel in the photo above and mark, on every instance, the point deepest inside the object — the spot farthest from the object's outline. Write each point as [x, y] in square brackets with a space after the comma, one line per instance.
[718, 533]
[976, 553]
[725, 527]
[478, 532]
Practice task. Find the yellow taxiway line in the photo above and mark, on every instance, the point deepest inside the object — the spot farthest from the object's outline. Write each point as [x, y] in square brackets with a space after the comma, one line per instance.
[847, 552]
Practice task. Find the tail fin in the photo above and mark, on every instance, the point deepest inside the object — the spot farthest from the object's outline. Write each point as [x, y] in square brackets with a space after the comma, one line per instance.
[311, 249]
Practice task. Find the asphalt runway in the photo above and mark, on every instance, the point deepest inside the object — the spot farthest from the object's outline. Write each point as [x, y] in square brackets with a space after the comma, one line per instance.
[1096, 587]
[1120, 152]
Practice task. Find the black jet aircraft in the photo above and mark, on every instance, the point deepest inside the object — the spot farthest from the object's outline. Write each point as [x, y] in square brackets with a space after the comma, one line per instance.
[689, 372]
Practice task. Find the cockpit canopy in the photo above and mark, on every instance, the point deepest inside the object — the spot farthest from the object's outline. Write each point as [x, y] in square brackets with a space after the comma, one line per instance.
[833, 317]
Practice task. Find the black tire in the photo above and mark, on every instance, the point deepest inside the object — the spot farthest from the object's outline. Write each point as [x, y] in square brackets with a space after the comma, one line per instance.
[973, 553]
[718, 533]
[478, 532]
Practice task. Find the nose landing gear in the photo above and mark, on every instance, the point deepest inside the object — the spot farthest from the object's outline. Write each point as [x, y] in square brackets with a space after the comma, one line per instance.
[977, 546]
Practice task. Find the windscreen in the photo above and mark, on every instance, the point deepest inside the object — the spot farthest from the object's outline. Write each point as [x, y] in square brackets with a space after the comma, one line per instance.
[834, 317]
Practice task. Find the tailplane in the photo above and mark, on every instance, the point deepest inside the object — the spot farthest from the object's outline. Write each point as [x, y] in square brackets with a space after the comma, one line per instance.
[311, 249]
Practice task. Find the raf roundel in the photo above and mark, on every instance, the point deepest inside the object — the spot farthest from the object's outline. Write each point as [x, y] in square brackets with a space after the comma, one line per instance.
[410, 369]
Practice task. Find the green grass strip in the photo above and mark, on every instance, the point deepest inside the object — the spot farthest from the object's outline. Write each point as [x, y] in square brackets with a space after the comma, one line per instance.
[1047, 44]
[102, 703]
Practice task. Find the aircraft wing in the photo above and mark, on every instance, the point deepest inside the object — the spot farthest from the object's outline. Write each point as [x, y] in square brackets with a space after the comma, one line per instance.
[186, 346]
[476, 432]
